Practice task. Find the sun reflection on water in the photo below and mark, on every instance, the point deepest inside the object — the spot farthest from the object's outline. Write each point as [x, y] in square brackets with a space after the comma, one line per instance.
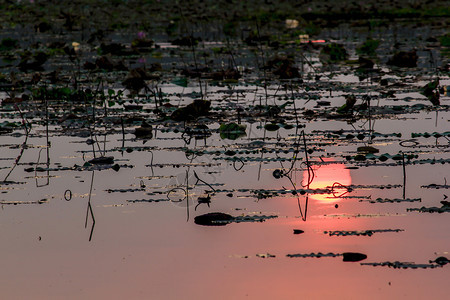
[327, 175]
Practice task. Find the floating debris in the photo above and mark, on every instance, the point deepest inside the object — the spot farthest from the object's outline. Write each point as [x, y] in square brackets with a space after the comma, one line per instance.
[355, 197]
[239, 256]
[359, 233]
[220, 219]
[316, 255]
[444, 208]
[368, 149]
[374, 186]
[131, 190]
[229, 103]
[346, 256]
[402, 265]
[102, 160]
[6, 202]
[386, 200]
[265, 255]
[148, 200]
[353, 256]
[428, 135]
[7, 182]
[261, 218]
[435, 186]
[179, 165]
[213, 219]
[363, 215]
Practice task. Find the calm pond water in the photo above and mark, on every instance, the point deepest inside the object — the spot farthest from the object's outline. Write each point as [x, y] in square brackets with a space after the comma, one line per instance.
[301, 183]
[145, 244]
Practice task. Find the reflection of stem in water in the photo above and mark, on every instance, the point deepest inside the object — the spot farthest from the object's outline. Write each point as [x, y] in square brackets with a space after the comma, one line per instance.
[262, 155]
[47, 150]
[156, 97]
[404, 175]
[151, 164]
[186, 137]
[106, 129]
[156, 131]
[202, 181]
[92, 130]
[172, 191]
[310, 179]
[24, 144]
[89, 209]
[288, 174]
[239, 160]
[371, 128]
[306, 206]
[338, 185]
[68, 195]
[123, 134]
[87, 116]
[18, 158]
[308, 166]
[294, 156]
[187, 186]
[46, 131]
[369, 112]
[295, 108]
[185, 190]
[187, 195]
[437, 114]
[98, 145]
[48, 171]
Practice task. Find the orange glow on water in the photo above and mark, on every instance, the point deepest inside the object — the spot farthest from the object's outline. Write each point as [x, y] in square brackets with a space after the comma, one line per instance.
[327, 175]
